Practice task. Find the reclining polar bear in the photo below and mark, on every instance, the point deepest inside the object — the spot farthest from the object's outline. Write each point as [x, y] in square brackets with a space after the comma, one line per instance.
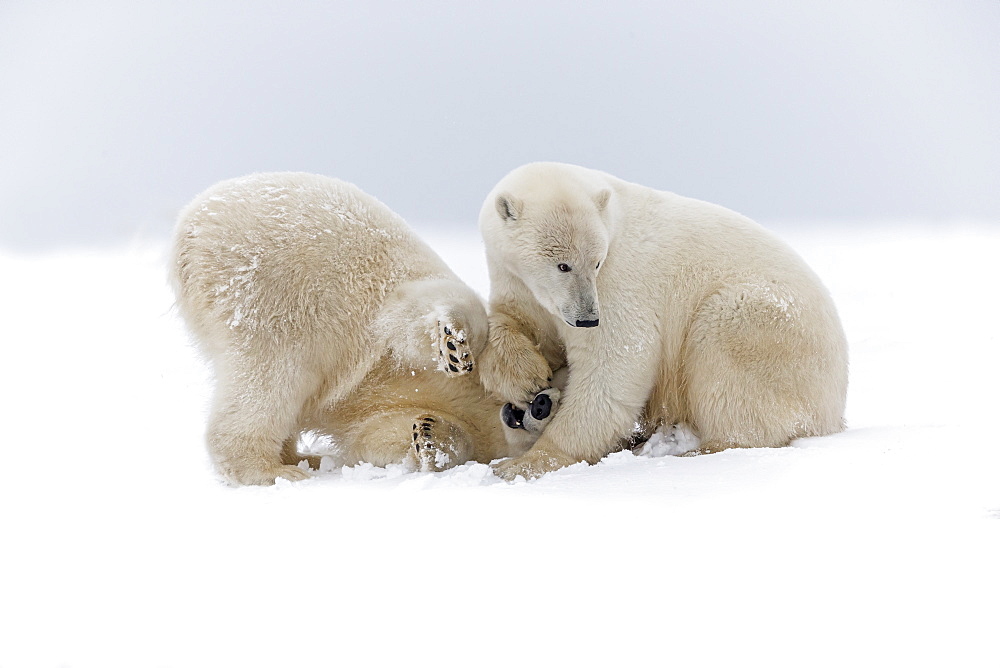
[320, 310]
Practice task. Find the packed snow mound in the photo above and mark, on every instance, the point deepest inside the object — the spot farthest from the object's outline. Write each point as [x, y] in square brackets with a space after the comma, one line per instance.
[878, 544]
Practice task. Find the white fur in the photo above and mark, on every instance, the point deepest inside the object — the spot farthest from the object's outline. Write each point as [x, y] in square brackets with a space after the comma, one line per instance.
[705, 318]
[320, 310]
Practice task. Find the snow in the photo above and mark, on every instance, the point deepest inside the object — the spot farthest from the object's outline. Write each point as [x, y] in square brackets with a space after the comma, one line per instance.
[876, 546]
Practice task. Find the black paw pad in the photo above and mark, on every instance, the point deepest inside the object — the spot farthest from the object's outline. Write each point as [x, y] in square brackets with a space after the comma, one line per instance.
[456, 357]
[423, 432]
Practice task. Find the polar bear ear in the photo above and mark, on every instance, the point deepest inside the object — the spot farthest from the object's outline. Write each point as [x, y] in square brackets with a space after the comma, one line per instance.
[509, 207]
[602, 198]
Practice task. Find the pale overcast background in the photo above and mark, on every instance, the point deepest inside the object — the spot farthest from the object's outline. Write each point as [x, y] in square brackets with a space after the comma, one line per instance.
[114, 114]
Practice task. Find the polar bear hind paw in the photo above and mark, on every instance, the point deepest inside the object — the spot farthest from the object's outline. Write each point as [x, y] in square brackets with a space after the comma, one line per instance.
[433, 453]
[292, 473]
[455, 355]
[266, 476]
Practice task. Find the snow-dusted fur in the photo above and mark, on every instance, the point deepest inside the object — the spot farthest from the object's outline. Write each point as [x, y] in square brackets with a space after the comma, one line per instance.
[320, 310]
[666, 310]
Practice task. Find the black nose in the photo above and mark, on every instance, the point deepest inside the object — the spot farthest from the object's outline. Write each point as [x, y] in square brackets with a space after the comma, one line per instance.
[541, 406]
[512, 416]
[587, 323]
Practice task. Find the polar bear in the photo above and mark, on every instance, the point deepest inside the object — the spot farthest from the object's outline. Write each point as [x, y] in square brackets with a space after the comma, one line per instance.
[320, 310]
[665, 310]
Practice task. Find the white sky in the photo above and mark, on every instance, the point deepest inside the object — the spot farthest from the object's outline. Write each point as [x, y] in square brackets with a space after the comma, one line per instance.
[115, 114]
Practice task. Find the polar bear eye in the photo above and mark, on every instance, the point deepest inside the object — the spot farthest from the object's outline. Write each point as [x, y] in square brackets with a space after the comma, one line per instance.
[563, 267]
[598, 266]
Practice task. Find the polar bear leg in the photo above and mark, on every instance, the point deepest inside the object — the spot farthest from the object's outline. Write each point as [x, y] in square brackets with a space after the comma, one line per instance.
[747, 371]
[254, 415]
[425, 441]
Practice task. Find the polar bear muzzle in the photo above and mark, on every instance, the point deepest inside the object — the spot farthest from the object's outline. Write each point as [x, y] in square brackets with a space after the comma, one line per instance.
[575, 298]
[535, 417]
[541, 406]
[512, 416]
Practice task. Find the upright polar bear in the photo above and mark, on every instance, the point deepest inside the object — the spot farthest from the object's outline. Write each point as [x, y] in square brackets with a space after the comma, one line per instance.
[320, 310]
[665, 309]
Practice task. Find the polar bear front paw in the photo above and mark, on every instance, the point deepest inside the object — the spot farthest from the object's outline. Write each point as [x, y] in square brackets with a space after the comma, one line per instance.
[532, 464]
[455, 355]
[434, 444]
[512, 368]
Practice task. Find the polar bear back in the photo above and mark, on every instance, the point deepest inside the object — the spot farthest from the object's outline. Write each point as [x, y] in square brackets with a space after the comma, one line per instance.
[286, 252]
[687, 246]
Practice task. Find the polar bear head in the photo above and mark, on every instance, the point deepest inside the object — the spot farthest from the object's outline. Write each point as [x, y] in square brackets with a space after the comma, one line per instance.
[549, 228]
[525, 425]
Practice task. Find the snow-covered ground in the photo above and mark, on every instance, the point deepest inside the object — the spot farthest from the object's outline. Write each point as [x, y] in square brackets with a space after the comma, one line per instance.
[879, 546]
